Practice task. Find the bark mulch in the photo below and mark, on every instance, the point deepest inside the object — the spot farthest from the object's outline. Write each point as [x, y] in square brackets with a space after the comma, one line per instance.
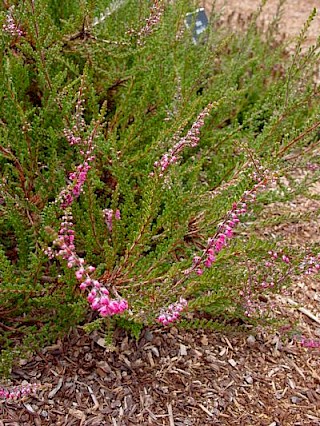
[173, 377]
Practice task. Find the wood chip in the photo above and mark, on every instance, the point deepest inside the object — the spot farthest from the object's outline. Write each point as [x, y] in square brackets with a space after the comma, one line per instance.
[304, 311]
[78, 414]
[94, 399]
[297, 369]
[151, 361]
[232, 362]
[170, 414]
[29, 408]
[183, 350]
[204, 340]
[206, 410]
[54, 391]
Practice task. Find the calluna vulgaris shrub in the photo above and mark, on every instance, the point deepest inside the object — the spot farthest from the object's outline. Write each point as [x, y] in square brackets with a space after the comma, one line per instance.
[134, 162]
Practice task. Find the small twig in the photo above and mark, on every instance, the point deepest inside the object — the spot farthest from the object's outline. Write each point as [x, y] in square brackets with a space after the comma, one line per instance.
[304, 311]
[298, 369]
[206, 410]
[298, 138]
[94, 399]
[170, 413]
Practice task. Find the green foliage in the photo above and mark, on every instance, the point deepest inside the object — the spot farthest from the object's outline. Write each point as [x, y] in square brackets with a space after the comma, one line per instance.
[147, 91]
[132, 327]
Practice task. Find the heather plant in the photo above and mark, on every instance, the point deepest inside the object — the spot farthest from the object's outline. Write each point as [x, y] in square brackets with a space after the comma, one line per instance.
[133, 163]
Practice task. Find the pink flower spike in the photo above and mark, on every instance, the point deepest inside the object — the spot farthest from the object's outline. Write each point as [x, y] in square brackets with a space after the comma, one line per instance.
[172, 313]
[91, 296]
[123, 305]
[161, 318]
[183, 301]
[210, 242]
[96, 284]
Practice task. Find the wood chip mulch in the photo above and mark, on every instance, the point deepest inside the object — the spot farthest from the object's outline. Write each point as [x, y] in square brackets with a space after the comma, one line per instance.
[170, 377]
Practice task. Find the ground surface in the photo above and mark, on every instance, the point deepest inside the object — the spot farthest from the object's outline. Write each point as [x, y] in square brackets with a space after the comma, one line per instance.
[294, 13]
[180, 378]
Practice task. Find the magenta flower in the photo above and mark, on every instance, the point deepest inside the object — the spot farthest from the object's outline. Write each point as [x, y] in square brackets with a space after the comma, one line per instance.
[173, 311]
[10, 26]
[191, 139]
[109, 214]
[98, 296]
[152, 21]
[18, 392]
[225, 232]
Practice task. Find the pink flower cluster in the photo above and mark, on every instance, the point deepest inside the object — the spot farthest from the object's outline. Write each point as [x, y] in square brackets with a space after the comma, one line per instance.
[77, 178]
[16, 392]
[100, 301]
[260, 279]
[173, 311]
[71, 137]
[313, 166]
[109, 214]
[275, 255]
[190, 140]
[151, 22]
[10, 27]
[309, 343]
[64, 246]
[224, 233]
[75, 188]
[98, 296]
[310, 265]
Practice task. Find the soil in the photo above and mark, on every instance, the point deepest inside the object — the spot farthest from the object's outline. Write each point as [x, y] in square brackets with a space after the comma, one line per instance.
[294, 14]
[178, 377]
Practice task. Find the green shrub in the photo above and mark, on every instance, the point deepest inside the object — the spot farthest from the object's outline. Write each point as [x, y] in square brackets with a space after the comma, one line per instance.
[131, 91]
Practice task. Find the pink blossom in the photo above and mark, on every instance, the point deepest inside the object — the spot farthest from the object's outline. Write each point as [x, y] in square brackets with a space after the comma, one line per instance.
[309, 343]
[285, 258]
[225, 232]
[109, 214]
[79, 273]
[98, 296]
[152, 21]
[17, 392]
[191, 139]
[10, 26]
[173, 311]
[63, 246]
